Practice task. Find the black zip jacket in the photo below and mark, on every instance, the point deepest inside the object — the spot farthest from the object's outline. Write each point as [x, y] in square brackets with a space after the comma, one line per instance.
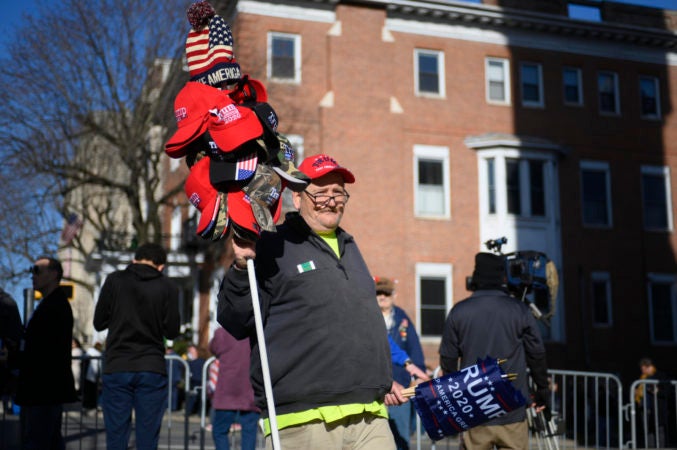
[140, 307]
[492, 323]
[323, 328]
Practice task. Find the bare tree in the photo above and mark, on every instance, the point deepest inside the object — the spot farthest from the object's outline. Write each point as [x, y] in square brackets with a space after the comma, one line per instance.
[87, 91]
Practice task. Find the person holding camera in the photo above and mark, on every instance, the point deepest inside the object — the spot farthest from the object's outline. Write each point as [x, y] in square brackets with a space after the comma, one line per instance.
[493, 323]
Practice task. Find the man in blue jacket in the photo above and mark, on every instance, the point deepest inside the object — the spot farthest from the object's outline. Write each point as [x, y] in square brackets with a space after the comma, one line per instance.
[402, 332]
[140, 307]
[329, 357]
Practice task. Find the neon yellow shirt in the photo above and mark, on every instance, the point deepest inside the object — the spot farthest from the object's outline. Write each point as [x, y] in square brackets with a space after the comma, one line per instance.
[327, 414]
[332, 241]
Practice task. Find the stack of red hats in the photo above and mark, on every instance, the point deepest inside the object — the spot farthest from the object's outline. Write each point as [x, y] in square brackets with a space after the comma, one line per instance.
[226, 130]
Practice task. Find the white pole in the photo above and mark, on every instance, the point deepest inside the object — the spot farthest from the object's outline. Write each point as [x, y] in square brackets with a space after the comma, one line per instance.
[263, 353]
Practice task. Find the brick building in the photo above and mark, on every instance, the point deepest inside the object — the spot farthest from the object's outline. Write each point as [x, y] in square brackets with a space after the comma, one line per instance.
[546, 122]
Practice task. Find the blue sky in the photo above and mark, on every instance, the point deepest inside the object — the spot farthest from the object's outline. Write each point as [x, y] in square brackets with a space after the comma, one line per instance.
[11, 11]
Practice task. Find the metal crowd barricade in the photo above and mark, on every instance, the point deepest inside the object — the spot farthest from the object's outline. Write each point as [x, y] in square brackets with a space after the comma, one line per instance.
[653, 420]
[589, 403]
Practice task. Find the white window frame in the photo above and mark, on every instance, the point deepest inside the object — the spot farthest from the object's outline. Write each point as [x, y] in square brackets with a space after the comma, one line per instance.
[296, 79]
[660, 278]
[602, 277]
[441, 93]
[500, 157]
[663, 171]
[579, 86]
[657, 87]
[617, 103]
[540, 103]
[506, 80]
[598, 166]
[435, 153]
[433, 270]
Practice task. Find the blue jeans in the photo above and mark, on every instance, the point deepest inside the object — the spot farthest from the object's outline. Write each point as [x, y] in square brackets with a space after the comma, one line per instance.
[223, 419]
[146, 393]
[400, 424]
[41, 427]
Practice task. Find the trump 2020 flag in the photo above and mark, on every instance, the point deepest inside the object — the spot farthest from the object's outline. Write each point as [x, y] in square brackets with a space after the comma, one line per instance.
[459, 401]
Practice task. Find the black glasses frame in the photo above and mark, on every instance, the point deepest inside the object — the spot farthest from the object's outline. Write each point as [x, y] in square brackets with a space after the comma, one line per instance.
[313, 197]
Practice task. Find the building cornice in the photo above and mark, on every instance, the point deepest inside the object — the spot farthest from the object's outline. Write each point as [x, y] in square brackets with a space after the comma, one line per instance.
[494, 17]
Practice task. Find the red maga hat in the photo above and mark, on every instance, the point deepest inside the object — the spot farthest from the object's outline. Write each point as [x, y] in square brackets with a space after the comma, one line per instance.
[231, 125]
[319, 165]
[203, 196]
[191, 108]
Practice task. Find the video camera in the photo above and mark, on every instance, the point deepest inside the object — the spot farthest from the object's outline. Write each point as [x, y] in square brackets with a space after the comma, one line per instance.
[530, 275]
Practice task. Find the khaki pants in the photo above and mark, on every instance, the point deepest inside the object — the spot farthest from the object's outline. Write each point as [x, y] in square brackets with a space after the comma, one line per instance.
[510, 436]
[358, 432]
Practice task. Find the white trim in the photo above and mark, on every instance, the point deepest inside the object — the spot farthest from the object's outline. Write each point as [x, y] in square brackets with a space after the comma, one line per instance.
[505, 63]
[617, 97]
[579, 85]
[554, 43]
[540, 103]
[286, 11]
[436, 153]
[657, 88]
[661, 278]
[297, 57]
[430, 270]
[663, 171]
[602, 166]
[439, 55]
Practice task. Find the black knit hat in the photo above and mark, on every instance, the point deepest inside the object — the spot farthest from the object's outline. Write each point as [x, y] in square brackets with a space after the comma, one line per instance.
[489, 271]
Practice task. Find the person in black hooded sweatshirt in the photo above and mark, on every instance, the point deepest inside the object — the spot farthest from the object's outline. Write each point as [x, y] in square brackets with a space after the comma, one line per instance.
[140, 308]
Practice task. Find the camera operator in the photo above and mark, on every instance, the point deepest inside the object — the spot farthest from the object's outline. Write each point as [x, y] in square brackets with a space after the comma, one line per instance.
[492, 323]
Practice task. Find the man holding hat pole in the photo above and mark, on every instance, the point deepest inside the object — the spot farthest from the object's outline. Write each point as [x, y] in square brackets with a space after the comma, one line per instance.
[329, 358]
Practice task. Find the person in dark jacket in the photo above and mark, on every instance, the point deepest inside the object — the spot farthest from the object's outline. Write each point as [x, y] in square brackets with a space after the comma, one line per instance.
[492, 323]
[45, 375]
[403, 333]
[11, 333]
[139, 307]
[329, 358]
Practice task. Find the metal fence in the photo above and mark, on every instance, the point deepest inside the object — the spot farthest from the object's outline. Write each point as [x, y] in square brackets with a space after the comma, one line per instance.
[589, 407]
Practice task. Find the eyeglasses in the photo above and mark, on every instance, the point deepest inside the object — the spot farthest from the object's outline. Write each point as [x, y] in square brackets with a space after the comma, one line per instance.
[323, 199]
[386, 294]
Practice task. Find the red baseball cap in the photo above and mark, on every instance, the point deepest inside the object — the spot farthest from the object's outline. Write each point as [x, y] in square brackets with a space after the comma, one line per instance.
[319, 165]
[231, 125]
[203, 196]
[248, 90]
[241, 214]
[191, 109]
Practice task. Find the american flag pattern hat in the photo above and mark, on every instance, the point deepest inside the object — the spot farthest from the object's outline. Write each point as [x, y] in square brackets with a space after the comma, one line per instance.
[209, 47]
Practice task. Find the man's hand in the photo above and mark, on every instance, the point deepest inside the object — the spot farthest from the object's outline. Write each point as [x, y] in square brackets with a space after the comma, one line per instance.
[395, 397]
[243, 250]
[414, 371]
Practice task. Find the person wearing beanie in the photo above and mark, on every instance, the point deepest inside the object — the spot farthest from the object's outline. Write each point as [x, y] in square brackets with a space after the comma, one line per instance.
[492, 323]
[329, 359]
